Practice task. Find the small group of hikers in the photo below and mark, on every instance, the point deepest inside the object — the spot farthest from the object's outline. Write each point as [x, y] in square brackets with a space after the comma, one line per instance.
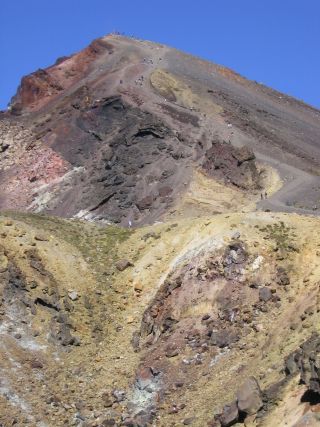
[264, 196]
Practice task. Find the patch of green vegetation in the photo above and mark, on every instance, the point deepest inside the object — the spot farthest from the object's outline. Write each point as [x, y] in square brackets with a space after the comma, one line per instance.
[281, 234]
[98, 244]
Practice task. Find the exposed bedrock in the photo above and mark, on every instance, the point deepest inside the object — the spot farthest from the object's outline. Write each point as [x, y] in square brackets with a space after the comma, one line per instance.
[118, 163]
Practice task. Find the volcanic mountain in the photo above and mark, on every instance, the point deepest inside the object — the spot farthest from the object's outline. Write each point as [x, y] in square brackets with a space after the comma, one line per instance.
[159, 245]
[119, 131]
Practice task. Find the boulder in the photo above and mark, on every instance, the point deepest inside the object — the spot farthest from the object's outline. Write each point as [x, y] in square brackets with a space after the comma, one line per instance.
[243, 154]
[265, 294]
[230, 414]
[145, 203]
[282, 277]
[223, 338]
[188, 421]
[65, 337]
[3, 147]
[122, 264]
[172, 350]
[306, 360]
[36, 364]
[107, 399]
[232, 164]
[108, 423]
[41, 237]
[291, 364]
[249, 397]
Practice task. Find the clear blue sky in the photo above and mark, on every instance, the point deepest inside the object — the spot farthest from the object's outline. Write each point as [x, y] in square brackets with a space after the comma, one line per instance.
[276, 42]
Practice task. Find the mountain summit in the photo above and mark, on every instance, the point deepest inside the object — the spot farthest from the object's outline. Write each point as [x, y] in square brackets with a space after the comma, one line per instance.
[119, 131]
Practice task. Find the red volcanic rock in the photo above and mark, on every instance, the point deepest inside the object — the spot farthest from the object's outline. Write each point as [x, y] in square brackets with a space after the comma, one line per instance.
[90, 137]
[42, 86]
[35, 87]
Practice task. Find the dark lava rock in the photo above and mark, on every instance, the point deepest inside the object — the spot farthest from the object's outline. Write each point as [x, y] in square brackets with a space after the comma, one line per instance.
[243, 154]
[65, 337]
[235, 255]
[129, 422]
[306, 361]
[282, 277]
[230, 414]
[265, 294]
[223, 338]
[188, 421]
[118, 150]
[109, 423]
[249, 402]
[36, 364]
[292, 363]
[235, 165]
[3, 147]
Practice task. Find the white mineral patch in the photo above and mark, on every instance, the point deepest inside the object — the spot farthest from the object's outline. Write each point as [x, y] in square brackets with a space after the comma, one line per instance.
[257, 263]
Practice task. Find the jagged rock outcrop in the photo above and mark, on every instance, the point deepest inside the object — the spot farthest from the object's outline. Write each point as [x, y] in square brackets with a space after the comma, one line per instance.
[236, 166]
[248, 402]
[306, 362]
[120, 163]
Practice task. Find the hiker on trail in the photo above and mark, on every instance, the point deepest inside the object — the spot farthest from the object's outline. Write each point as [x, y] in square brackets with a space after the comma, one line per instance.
[265, 195]
[130, 223]
[261, 195]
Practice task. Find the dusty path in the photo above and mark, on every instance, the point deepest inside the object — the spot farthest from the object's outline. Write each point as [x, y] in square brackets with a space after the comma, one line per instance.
[282, 131]
[300, 192]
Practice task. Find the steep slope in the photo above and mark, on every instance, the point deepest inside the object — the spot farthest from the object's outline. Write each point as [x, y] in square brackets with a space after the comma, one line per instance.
[117, 131]
[206, 312]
